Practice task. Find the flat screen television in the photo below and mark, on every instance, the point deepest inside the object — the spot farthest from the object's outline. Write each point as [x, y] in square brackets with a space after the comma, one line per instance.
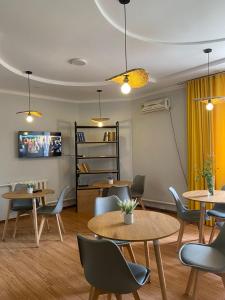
[32, 144]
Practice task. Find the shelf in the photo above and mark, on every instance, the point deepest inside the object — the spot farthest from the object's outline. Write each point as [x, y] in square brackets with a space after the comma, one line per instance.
[97, 172]
[97, 157]
[100, 142]
[87, 187]
[96, 127]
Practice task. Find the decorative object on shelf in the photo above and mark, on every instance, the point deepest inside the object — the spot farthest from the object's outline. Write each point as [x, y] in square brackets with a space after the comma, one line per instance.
[207, 174]
[127, 207]
[110, 179]
[83, 167]
[135, 78]
[210, 100]
[99, 120]
[30, 113]
[109, 136]
[80, 137]
[30, 188]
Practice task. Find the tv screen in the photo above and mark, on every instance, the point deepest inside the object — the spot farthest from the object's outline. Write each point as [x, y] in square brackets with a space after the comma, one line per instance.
[39, 144]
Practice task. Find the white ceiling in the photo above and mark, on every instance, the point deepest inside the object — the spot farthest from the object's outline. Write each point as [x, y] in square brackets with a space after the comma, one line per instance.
[164, 37]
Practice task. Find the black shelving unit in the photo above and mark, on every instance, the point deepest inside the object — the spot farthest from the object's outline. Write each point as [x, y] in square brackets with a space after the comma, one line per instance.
[79, 156]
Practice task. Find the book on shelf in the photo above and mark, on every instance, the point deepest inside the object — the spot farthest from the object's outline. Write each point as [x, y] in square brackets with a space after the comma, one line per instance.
[83, 168]
[80, 137]
[109, 136]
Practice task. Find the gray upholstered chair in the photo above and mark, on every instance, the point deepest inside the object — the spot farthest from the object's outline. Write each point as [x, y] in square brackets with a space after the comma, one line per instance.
[218, 212]
[122, 192]
[51, 211]
[205, 258]
[107, 271]
[137, 189]
[184, 215]
[107, 204]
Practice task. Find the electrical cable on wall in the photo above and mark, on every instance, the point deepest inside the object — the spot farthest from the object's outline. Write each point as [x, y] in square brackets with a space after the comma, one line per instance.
[177, 148]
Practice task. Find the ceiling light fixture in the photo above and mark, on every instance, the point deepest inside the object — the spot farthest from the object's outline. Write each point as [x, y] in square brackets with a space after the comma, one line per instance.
[99, 120]
[210, 100]
[30, 113]
[77, 61]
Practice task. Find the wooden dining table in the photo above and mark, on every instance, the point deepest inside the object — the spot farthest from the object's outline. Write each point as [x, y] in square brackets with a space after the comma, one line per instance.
[147, 226]
[203, 197]
[23, 195]
[107, 185]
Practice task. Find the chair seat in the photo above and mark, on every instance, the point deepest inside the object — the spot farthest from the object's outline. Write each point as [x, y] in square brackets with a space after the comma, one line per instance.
[23, 205]
[140, 273]
[220, 224]
[136, 195]
[203, 257]
[216, 213]
[46, 210]
[191, 215]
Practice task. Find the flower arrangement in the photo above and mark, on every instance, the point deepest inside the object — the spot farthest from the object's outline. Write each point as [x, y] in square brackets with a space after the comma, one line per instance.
[30, 187]
[127, 206]
[207, 174]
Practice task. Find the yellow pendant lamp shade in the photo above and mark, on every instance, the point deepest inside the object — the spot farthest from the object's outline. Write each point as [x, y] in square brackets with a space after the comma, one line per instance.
[99, 120]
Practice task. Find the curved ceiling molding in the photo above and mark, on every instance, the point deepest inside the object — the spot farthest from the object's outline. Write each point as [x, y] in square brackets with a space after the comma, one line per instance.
[147, 39]
[51, 81]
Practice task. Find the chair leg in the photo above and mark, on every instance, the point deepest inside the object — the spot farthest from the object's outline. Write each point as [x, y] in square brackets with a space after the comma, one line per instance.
[212, 234]
[223, 279]
[6, 222]
[180, 235]
[190, 282]
[15, 226]
[60, 233]
[109, 296]
[203, 235]
[118, 296]
[91, 293]
[196, 276]
[48, 226]
[61, 223]
[95, 294]
[43, 219]
[131, 253]
[136, 295]
[141, 203]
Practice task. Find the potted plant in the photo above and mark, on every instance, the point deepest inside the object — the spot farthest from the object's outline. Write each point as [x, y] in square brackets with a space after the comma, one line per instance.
[207, 174]
[110, 179]
[30, 188]
[127, 207]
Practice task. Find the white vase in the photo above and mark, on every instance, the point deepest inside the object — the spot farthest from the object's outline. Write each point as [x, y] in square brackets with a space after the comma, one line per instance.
[128, 218]
[110, 181]
[30, 190]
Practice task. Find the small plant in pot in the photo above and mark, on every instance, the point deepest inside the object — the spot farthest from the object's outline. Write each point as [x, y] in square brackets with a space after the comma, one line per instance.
[110, 179]
[30, 188]
[207, 174]
[127, 207]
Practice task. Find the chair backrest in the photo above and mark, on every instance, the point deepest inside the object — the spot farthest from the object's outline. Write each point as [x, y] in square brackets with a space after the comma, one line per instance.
[219, 242]
[15, 203]
[59, 205]
[122, 192]
[180, 207]
[220, 206]
[105, 204]
[138, 184]
[105, 267]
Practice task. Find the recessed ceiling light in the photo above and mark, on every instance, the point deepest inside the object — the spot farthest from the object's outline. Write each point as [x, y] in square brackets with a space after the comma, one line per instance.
[77, 61]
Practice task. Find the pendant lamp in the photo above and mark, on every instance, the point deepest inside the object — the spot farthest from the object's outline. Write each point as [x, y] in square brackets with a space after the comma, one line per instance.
[30, 113]
[134, 78]
[99, 120]
[210, 100]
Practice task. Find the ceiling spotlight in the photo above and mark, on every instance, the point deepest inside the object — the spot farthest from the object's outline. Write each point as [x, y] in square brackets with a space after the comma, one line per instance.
[77, 61]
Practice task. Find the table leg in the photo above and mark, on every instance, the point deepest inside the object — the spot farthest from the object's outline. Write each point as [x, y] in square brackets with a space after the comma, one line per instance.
[147, 257]
[160, 268]
[6, 221]
[35, 222]
[202, 221]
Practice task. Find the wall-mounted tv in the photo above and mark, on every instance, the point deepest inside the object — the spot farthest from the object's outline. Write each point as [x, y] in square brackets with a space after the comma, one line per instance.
[33, 144]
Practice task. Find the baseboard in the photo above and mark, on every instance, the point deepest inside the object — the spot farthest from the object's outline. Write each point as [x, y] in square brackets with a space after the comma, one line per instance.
[159, 204]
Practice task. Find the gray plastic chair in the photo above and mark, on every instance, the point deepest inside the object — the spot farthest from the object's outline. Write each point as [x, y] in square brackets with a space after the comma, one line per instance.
[137, 189]
[184, 215]
[107, 271]
[51, 211]
[218, 212]
[123, 192]
[206, 258]
[107, 204]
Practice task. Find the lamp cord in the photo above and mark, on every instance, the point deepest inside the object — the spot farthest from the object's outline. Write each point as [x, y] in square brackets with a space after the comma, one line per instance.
[125, 35]
[209, 89]
[29, 89]
[99, 105]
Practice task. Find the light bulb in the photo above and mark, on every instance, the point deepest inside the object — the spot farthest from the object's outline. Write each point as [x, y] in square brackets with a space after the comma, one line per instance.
[100, 124]
[29, 118]
[209, 106]
[125, 88]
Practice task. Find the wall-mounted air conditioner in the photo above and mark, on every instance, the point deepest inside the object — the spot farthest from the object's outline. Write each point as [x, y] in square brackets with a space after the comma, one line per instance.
[156, 105]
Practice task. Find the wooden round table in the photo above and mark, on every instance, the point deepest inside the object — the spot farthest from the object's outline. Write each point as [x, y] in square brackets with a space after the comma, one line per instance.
[106, 185]
[203, 197]
[23, 195]
[147, 226]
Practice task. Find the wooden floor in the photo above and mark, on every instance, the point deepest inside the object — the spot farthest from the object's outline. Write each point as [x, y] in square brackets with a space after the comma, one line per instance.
[53, 270]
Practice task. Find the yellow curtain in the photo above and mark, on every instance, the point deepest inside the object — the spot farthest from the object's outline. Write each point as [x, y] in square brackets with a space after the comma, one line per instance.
[206, 132]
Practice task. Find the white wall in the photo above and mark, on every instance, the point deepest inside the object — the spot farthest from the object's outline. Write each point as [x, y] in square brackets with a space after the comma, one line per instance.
[56, 117]
[154, 150]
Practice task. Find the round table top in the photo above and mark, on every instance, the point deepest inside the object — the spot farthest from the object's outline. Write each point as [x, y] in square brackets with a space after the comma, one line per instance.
[202, 196]
[25, 195]
[147, 226]
[105, 184]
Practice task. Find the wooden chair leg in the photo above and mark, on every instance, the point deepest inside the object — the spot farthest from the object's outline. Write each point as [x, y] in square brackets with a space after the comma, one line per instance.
[212, 234]
[118, 296]
[147, 257]
[6, 222]
[131, 253]
[136, 295]
[43, 219]
[223, 279]
[48, 226]
[16, 223]
[95, 294]
[196, 276]
[190, 282]
[180, 235]
[91, 293]
[60, 233]
[61, 223]
[141, 203]
[109, 296]
[203, 235]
